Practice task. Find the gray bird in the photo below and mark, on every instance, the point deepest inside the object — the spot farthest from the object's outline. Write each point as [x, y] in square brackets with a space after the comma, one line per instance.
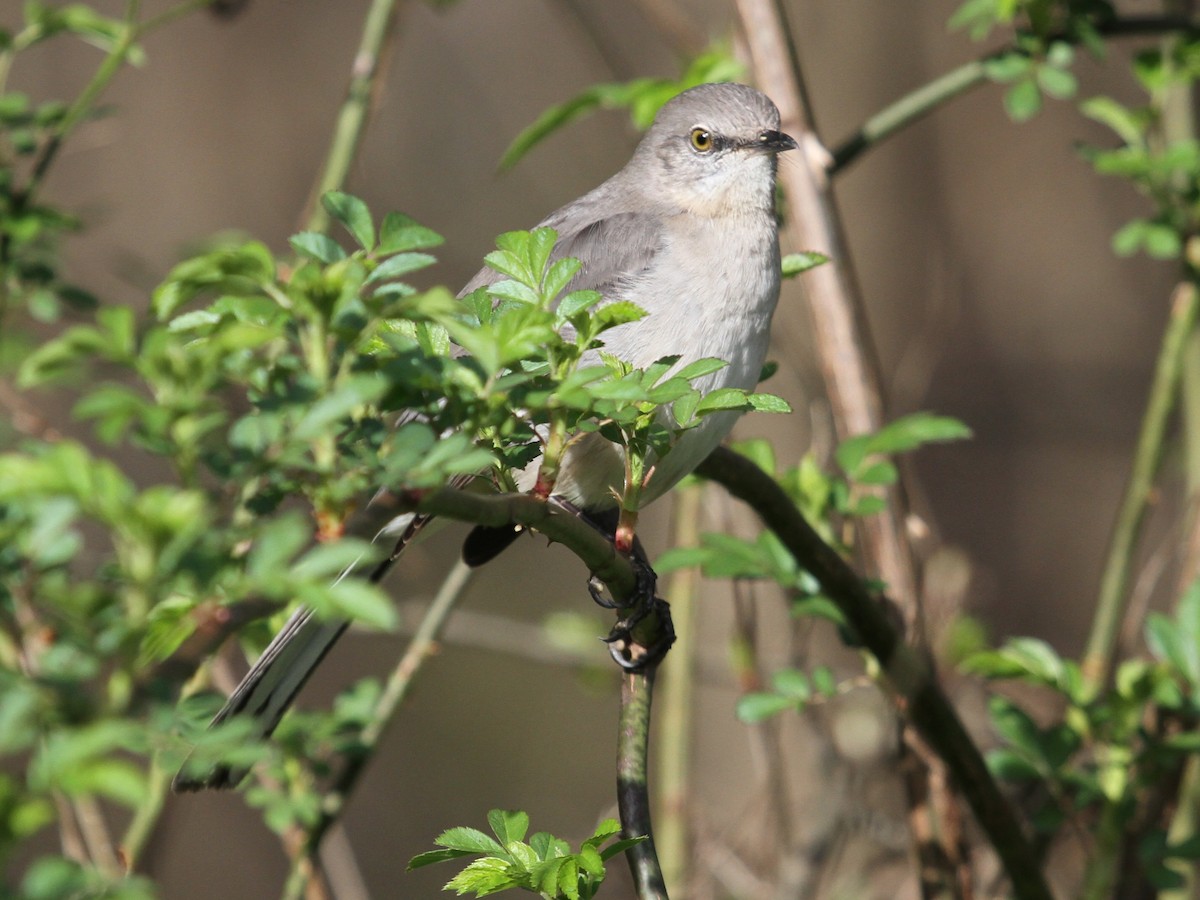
[688, 232]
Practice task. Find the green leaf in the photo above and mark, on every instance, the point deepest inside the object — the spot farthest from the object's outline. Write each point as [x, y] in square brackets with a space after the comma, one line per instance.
[1058, 83]
[796, 263]
[470, 840]
[431, 857]
[354, 599]
[792, 683]
[1023, 100]
[400, 264]
[768, 403]
[577, 302]
[558, 276]
[353, 214]
[275, 546]
[315, 245]
[508, 824]
[484, 876]
[700, 368]
[758, 707]
[1129, 125]
[327, 412]
[399, 233]
[722, 398]
[1007, 68]
[1161, 241]
[621, 846]
[1130, 237]
[916, 430]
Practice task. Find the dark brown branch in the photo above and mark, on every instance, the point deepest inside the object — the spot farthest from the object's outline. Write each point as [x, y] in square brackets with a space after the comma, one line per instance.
[909, 674]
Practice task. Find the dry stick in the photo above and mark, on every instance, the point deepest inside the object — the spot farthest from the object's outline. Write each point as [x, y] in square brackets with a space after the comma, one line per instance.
[907, 673]
[352, 117]
[852, 380]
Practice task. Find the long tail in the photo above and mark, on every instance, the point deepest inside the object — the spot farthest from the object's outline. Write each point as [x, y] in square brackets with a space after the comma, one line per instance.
[293, 654]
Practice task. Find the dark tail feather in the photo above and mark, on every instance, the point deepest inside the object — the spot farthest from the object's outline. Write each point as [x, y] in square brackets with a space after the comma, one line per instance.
[275, 679]
[485, 542]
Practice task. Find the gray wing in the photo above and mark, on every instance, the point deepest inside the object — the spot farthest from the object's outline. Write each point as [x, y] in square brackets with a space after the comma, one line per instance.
[614, 249]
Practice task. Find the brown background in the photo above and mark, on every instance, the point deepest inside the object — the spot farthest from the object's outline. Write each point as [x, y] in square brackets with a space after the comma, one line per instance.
[982, 248]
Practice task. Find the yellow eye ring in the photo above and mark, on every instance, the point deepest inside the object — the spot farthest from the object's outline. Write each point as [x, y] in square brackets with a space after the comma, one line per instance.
[702, 140]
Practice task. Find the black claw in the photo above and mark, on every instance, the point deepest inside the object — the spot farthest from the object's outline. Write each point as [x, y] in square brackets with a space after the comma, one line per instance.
[626, 651]
[595, 589]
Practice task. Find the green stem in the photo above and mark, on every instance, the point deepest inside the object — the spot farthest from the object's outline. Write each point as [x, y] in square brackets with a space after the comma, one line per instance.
[907, 672]
[352, 118]
[82, 106]
[675, 698]
[145, 818]
[1110, 607]
[925, 99]
[907, 110]
[633, 796]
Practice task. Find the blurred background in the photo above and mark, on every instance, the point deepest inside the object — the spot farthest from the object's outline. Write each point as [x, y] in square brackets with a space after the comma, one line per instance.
[982, 248]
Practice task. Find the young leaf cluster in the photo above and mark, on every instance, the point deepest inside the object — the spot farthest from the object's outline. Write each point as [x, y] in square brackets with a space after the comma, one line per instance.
[1109, 753]
[1163, 167]
[827, 501]
[544, 865]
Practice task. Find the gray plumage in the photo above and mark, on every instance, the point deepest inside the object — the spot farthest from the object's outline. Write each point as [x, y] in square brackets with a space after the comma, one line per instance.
[687, 231]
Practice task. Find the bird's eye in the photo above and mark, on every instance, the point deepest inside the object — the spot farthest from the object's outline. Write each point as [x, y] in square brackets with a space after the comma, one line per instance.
[702, 140]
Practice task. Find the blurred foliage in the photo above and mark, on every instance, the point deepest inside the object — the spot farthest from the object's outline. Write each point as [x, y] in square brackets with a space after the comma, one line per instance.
[269, 394]
[643, 97]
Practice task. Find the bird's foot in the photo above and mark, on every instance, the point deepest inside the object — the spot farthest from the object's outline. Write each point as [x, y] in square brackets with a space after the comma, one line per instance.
[643, 635]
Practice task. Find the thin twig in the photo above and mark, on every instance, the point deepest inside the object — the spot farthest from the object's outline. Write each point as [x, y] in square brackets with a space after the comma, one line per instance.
[841, 336]
[352, 117]
[420, 648]
[1110, 607]
[146, 816]
[633, 795]
[908, 674]
[918, 103]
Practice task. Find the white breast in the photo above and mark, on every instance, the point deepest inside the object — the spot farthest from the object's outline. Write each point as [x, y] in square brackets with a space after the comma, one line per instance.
[714, 299]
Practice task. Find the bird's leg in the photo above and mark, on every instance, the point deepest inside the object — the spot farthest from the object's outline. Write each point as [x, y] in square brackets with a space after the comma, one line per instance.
[643, 633]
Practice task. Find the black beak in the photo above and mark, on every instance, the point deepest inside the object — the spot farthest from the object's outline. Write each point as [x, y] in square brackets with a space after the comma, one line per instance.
[776, 141]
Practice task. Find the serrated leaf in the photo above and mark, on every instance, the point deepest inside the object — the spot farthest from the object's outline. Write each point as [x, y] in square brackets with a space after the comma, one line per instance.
[483, 876]
[508, 824]
[722, 398]
[470, 840]
[768, 403]
[577, 302]
[354, 216]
